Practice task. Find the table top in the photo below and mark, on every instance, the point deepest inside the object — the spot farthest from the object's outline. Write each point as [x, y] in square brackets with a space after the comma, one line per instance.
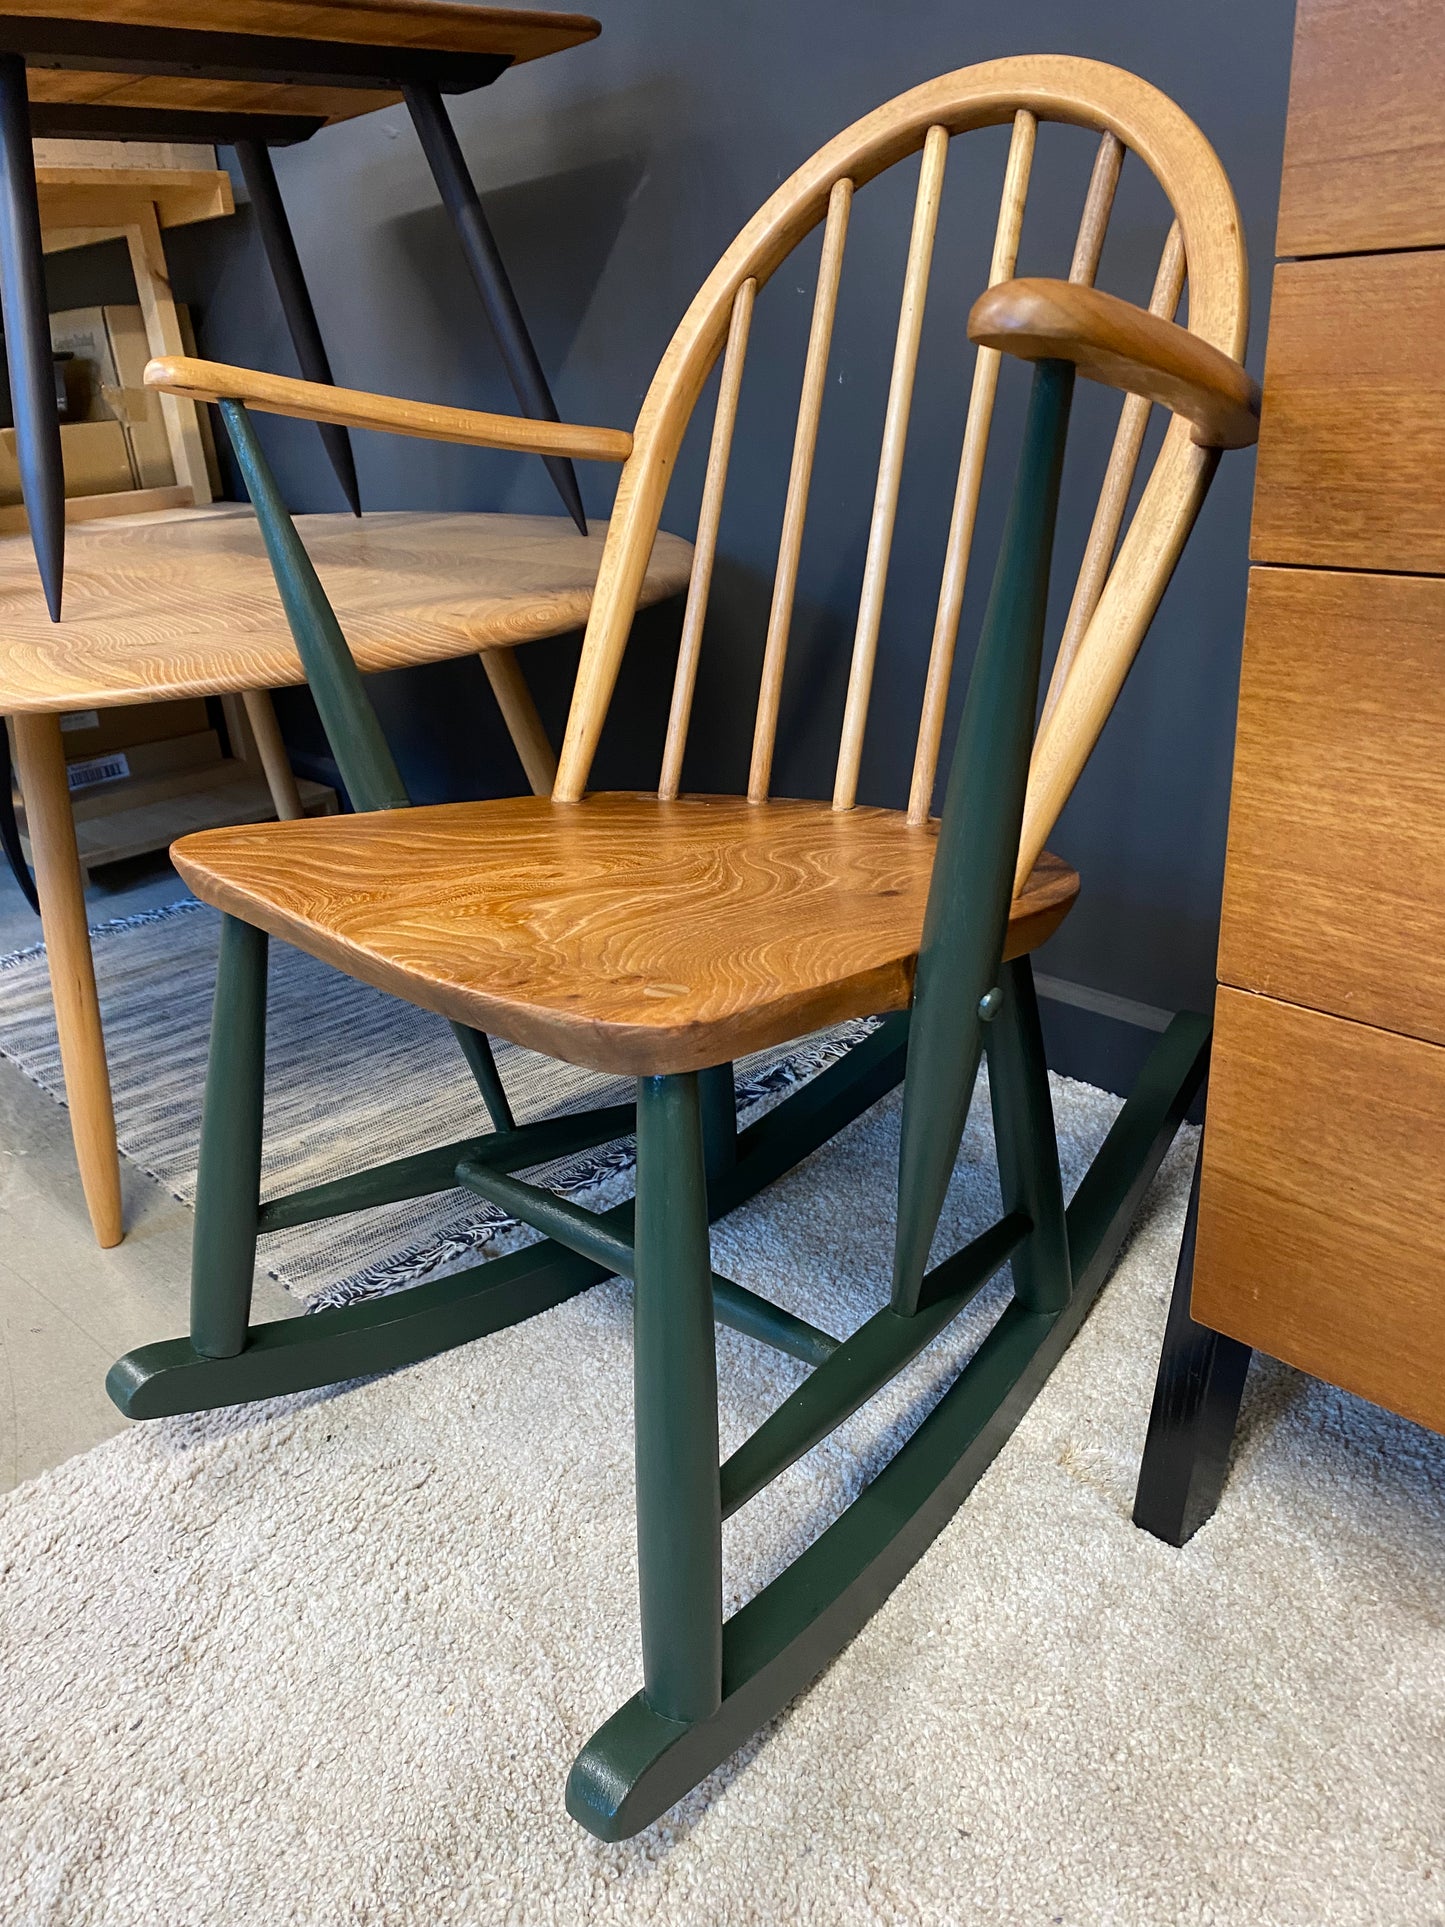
[303, 60]
[183, 603]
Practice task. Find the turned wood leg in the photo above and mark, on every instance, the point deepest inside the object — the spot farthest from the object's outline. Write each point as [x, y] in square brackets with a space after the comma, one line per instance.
[519, 713]
[1196, 1407]
[61, 888]
[280, 778]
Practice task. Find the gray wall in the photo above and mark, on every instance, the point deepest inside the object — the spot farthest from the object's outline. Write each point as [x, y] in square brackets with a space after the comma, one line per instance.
[615, 175]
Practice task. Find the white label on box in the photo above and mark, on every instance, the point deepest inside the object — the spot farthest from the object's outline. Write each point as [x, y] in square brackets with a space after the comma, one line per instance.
[81, 719]
[87, 771]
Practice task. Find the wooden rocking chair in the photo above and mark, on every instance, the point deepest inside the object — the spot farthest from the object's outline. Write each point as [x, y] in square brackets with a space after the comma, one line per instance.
[663, 936]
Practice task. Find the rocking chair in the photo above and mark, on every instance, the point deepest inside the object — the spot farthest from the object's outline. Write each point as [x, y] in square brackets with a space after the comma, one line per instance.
[663, 936]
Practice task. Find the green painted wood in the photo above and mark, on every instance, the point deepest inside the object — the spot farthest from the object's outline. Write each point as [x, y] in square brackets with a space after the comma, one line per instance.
[301, 1354]
[595, 1234]
[355, 1341]
[744, 1311]
[228, 1184]
[1026, 1142]
[968, 901]
[863, 1365]
[679, 1521]
[477, 1049]
[606, 1237]
[424, 1172]
[1104, 1206]
[362, 755]
[718, 1097]
[813, 1114]
[637, 1765]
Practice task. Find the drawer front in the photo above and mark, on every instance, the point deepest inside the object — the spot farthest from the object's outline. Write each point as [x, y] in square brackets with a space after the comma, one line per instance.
[1364, 150]
[1322, 1201]
[1352, 437]
[1334, 890]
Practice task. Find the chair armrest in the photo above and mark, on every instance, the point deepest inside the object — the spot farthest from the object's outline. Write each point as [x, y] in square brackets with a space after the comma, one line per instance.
[312, 401]
[1116, 343]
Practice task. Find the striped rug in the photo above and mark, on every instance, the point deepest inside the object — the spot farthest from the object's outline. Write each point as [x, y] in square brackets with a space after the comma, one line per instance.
[353, 1078]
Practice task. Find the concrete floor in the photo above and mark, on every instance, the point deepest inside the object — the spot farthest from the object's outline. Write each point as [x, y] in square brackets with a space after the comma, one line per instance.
[67, 1308]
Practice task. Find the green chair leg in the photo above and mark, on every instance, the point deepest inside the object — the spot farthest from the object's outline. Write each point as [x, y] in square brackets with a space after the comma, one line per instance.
[717, 1094]
[228, 1188]
[1028, 1150]
[679, 1497]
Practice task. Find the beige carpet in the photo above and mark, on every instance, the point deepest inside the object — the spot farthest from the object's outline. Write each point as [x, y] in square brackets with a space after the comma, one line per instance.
[327, 1661]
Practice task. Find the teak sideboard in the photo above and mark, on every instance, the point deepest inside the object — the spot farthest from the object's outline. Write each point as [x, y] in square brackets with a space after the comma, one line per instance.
[1320, 1233]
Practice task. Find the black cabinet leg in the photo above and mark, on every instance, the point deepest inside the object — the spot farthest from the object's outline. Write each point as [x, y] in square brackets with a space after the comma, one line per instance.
[301, 324]
[1196, 1406]
[459, 196]
[27, 335]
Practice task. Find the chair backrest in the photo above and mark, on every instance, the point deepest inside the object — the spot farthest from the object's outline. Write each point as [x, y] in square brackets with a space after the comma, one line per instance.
[1118, 586]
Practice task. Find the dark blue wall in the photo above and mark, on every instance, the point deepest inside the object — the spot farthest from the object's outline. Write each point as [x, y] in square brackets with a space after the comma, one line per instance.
[615, 175]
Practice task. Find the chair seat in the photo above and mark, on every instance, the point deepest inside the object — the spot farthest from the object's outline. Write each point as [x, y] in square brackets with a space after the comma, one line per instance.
[184, 603]
[620, 933]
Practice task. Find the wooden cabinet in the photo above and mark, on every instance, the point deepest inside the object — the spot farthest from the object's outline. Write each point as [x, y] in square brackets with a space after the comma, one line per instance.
[1318, 1228]
[1322, 1200]
[1352, 432]
[1334, 892]
[1364, 151]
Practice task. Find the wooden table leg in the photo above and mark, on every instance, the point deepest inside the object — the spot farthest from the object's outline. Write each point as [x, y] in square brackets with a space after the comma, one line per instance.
[280, 777]
[519, 713]
[279, 245]
[48, 818]
[27, 335]
[459, 197]
[163, 337]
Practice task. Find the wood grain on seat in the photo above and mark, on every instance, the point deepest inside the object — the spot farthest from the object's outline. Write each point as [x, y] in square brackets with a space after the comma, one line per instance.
[185, 604]
[621, 933]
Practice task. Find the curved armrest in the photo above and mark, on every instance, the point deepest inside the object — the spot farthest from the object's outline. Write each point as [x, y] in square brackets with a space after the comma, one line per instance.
[1116, 343]
[312, 401]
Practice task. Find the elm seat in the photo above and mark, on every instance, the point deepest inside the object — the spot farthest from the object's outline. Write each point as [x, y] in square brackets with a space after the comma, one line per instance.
[621, 932]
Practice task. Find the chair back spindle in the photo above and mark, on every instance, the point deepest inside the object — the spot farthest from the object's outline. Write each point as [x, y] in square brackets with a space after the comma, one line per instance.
[1098, 206]
[977, 424]
[800, 481]
[1118, 480]
[890, 466]
[705, 547]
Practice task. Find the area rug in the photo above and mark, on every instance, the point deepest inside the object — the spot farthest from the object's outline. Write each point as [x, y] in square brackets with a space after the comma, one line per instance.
[353, 1078]
[327, 1660]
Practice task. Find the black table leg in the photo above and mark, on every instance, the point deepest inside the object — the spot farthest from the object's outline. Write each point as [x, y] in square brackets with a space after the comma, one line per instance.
[459, 197]
[27, 335]
[1196, 1407]
[301, 324]
[10, 829]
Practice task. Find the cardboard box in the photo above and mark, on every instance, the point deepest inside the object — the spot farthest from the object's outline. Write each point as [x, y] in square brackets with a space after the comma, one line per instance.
[110, 348]
[91, 732]
[96, 457]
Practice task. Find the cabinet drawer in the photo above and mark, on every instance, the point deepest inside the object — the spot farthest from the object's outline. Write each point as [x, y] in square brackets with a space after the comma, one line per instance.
[1352, 436]
[1334, 889]
[1364, 151]
[1322, 1200]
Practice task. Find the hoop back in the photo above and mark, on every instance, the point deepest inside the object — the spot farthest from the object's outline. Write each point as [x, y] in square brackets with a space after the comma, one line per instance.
[1117, 592]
